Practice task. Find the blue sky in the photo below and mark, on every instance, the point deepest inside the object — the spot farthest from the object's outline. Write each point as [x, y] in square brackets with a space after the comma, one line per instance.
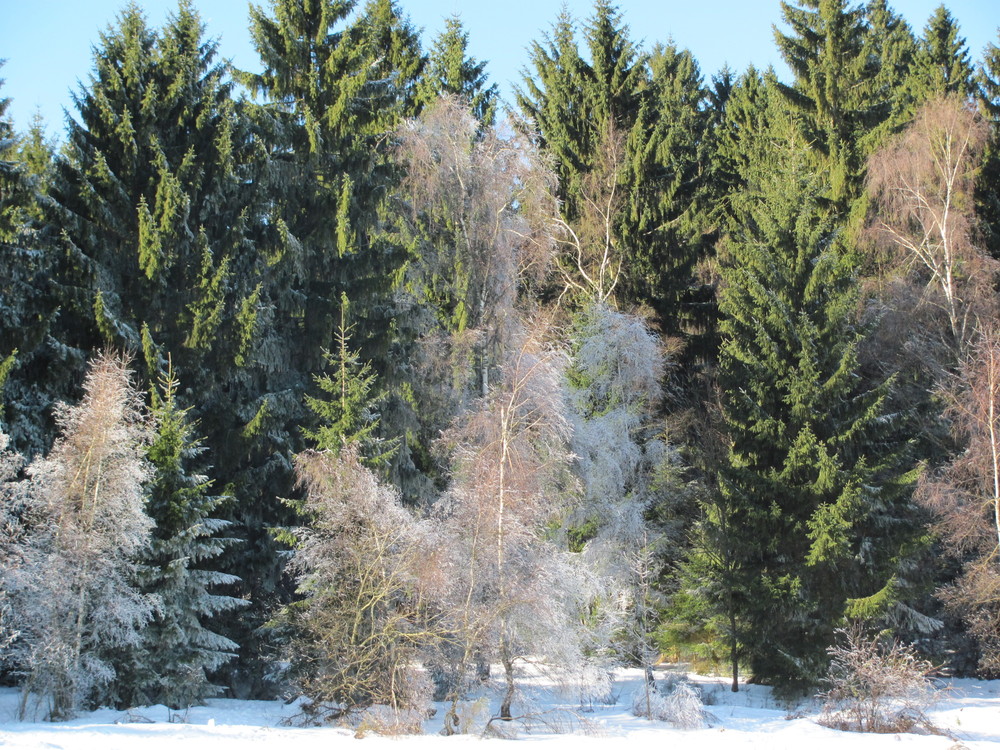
[47, 43]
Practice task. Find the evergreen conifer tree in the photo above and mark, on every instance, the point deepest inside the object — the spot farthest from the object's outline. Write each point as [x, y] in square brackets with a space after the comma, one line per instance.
[812, 516]
[36, 369]
[988, 184]
[942, 64]
[451, 72]
[662, 219]
[158, 195]
[348, 415]
[833, 88]
[553, 100]
[178, 651]
[890, 41]
[628, 133]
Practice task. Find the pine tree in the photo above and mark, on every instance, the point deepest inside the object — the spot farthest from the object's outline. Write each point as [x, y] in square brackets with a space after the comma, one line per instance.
[617, 69]
[628, 134]
[178, 650]
[394, 63]
[451, 72]
[329, 97]
[813, 501]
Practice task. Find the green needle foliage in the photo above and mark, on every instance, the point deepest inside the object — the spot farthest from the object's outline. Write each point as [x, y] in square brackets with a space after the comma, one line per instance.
[179, 651]
[812, 518]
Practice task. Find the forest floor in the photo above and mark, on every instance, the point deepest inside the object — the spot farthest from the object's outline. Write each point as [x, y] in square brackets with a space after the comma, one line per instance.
[967, 715]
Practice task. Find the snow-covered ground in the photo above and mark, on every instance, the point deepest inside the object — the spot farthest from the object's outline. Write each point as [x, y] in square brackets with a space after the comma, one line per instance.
[968, 713]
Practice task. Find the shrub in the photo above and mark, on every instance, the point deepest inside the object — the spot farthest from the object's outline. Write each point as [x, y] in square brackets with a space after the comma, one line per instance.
[675, 701]
[877, 685]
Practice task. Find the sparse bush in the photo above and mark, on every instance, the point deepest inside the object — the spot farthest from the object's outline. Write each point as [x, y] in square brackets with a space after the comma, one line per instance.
[356, 635]
[675, 701]
[877, 685]
[387, 721]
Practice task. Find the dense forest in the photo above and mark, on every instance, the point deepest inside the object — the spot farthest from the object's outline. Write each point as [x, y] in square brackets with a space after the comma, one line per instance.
[339, 378]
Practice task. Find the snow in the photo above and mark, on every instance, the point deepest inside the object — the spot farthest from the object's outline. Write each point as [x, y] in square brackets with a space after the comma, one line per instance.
[967, 714]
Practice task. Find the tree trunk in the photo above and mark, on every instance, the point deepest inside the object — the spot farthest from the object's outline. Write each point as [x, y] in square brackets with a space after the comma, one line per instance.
[734, 653]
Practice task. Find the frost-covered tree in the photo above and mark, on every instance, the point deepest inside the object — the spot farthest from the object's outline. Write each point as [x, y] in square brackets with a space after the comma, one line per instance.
[475, 212]
[509, 593]
[178, 569]
[11, 531]
[74, 593]
[623, 465]
[964, 495]
[355, 635]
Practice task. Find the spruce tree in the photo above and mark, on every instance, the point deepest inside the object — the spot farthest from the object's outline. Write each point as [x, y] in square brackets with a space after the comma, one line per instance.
[617, 69]
[179, 650]
[346, 412]
[662, 222]
[988, 184]
[812, 515]
[942, 64]
[832, 87]
[628, 134]
[890, 41]
[36, 368]
[158, 193]
[331, 89]
[553, 100]
[451, 72]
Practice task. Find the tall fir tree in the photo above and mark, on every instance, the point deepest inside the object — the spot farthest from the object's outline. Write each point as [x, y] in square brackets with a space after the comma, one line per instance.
[158, 193]
[335, 78]
[332, 86]
[553, 100]
[36, 368]
[988, 184]
[663, 218]
[833, 87]
[890, 41]
[627, 132]
[812, 516]
[942, 64]
[451, 72]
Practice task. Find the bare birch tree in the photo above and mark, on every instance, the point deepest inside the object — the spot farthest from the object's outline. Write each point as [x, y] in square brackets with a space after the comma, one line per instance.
[507, 590]
[482, 208]
[590, 261]
[84, 525]
[923, 185]
[965, 495]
